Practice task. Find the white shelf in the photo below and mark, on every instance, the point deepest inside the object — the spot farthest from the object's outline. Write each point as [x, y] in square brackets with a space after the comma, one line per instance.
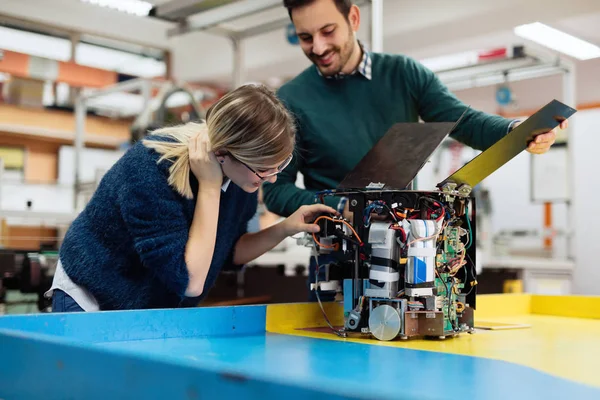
[530, 263]
[56, 134]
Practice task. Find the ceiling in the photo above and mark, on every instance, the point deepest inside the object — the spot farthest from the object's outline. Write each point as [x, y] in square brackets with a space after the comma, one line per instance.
[420, 29]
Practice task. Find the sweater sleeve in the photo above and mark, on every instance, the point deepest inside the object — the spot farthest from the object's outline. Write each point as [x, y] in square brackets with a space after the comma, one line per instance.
[283, 197]
[436, 103]
[155, 219]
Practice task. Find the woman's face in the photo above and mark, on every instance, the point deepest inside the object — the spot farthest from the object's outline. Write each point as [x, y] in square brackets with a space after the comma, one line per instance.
[248, 178]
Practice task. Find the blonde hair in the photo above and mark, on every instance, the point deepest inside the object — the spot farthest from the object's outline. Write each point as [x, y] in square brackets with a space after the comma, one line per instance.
[249, 122]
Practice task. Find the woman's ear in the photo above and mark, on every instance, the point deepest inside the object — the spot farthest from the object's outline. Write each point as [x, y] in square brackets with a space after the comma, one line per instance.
[220, 156]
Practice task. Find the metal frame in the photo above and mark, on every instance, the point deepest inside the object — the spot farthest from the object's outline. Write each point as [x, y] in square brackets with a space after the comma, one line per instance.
[145, 87]
[209, 19]
[535, 62]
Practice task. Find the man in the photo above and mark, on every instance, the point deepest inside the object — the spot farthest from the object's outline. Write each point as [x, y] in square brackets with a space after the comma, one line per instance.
[347, 100]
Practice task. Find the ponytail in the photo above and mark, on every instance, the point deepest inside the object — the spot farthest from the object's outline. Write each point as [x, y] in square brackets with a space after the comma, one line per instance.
[176, 150]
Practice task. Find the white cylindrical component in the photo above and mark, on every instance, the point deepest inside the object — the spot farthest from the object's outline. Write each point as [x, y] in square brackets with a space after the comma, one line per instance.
[329, 285]
[382, 276]
[422, 238]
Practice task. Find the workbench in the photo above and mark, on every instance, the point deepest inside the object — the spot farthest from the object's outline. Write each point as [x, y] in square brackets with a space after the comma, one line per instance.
[285, 351]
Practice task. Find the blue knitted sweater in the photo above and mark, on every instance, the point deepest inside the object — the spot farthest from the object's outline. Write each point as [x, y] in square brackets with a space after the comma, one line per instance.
[127, 247]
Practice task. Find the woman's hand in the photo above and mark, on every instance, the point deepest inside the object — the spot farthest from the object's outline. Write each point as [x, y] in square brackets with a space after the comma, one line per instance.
[299, 221]
[253, 245]
[203, 162]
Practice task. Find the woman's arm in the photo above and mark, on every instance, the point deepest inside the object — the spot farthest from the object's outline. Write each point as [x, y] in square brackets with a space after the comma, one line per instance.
[253, 245]
[201, 241]
[200, 246]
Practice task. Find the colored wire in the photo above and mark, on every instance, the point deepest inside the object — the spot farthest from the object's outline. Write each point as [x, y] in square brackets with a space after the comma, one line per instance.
[474, 283]
[333, 220]
[376, 206]
[470, 232]
[428, 237]
[318, 267]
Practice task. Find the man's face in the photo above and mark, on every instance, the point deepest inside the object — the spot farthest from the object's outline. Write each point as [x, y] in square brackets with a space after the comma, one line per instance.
[326, 37]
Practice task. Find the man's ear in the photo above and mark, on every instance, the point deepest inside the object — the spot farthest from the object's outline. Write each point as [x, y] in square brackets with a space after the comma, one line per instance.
[354, 17]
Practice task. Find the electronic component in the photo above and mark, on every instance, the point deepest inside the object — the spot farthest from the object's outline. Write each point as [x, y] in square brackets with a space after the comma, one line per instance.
[411, 269]
[406, 260]
[422, 251]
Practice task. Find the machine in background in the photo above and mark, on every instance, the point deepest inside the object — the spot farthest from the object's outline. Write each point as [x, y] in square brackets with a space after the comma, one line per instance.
[407, 261]
[28, 272]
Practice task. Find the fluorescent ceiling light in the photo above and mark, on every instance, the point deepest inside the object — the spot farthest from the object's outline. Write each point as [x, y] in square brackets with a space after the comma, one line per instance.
[135, 7]
[119, 61]
[54, 48]
[451, 61]
[557, 40]
[35, 44]
[466, 59]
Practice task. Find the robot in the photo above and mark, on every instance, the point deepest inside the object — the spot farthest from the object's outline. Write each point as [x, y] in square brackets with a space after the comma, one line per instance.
[406, 262]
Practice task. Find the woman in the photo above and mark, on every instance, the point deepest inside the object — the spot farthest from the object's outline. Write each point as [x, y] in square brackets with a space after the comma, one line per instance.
[173, 211]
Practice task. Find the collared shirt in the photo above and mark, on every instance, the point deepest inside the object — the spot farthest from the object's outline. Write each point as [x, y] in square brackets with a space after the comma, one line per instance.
[225, 185]
[363, 68]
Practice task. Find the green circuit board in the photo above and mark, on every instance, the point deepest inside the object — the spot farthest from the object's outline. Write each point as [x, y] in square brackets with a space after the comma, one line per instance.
[447, 304]
[451, 242]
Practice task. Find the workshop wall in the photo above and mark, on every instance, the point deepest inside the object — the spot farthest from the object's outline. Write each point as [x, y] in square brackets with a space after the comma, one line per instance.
[40, 158]
[57, 195]
[27, 237]
[509, 192]
[586, 142]
[510, 186]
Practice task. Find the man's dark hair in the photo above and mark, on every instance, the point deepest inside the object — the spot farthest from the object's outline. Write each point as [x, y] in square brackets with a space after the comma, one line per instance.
[343, 6]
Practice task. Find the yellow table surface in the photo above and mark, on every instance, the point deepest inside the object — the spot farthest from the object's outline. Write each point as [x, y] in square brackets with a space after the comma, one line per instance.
[563, 340]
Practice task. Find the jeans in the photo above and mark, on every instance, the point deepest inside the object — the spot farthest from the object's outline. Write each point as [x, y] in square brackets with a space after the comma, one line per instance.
[62, 302]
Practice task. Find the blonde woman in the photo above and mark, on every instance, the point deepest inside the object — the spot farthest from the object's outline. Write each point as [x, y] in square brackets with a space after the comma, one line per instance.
[173, 211]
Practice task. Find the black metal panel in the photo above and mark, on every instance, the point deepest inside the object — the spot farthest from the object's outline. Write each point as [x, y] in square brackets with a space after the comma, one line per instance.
[471, 272]
[397, 158]
[482, 166]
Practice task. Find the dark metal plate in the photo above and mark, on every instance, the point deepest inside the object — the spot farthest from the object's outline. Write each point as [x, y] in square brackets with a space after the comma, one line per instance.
[397, 158]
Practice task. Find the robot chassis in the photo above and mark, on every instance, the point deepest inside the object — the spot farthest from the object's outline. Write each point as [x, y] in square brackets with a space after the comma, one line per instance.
[407, 262]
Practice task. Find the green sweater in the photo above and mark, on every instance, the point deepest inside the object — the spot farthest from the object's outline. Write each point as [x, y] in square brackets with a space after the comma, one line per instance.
[340, 120]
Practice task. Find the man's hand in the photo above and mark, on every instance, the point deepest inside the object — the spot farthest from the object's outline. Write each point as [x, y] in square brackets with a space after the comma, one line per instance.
[543, 141]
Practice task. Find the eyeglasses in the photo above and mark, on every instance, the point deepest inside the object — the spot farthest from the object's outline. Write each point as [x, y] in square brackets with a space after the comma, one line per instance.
[280, 168]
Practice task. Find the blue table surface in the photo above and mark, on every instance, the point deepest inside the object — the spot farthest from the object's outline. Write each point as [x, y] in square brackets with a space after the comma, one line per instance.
[159, 352]
[352, 369]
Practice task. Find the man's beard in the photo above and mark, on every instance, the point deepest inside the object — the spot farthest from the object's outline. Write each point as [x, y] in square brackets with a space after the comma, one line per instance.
[344, 53]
